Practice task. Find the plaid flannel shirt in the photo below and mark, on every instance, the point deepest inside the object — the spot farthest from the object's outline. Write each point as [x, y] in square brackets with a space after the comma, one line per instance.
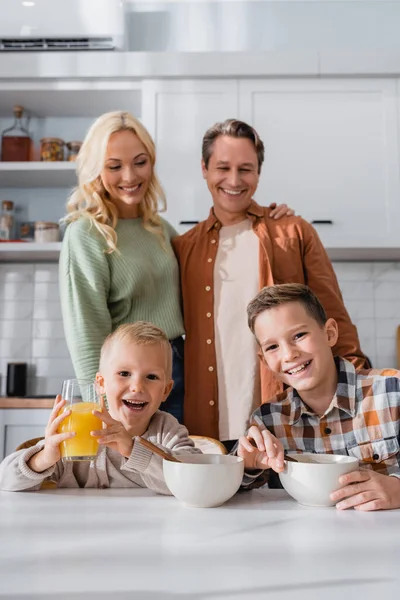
[363, 420]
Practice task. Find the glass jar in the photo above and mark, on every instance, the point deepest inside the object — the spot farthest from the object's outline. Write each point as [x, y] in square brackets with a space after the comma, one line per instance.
[73, 150]
[51, 149]
[27, 231]
[16, 143]
[45, 232]
[7, 221]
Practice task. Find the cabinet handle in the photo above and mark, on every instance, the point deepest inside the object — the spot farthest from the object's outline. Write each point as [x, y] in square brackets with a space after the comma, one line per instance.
[188, 222]
[322, 222]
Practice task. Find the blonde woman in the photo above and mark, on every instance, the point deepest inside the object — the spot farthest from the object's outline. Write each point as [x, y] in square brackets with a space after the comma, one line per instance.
[117, 264]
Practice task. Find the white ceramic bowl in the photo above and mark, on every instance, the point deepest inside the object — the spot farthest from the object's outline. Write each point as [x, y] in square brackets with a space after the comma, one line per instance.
[204, 480]
[312, 484]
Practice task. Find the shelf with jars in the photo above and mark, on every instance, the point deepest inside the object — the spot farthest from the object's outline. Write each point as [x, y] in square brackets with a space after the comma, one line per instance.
[52, 118]
[41, 144]
[29, 157]
[27, 241]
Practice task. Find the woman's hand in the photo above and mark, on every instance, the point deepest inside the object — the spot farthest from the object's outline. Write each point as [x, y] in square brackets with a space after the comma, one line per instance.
[280, 210]
[50, 453]
[114, 435]
[267, 453]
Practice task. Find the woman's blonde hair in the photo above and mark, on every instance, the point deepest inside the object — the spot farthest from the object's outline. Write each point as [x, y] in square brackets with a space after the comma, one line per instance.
[91, 200]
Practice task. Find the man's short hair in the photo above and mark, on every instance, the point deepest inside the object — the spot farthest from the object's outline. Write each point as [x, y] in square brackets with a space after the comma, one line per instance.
[140, 333]
[236, 129]
[276, 295]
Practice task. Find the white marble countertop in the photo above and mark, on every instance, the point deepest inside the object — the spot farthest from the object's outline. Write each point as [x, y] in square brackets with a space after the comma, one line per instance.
[135, 545]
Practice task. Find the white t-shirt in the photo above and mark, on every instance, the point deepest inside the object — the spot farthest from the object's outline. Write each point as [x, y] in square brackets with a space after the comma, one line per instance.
[236, 282]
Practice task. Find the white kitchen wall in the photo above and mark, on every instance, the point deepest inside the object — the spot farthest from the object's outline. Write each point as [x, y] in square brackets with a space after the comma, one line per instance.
[31, 326]
[371, 292]
[265, 25]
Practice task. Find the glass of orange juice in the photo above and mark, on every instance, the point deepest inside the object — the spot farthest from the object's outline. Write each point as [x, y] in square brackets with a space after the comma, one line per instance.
[81, 399]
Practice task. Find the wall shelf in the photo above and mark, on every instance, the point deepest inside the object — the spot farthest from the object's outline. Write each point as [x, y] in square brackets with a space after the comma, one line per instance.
[72, 98]
[37, 174]
[29, 252]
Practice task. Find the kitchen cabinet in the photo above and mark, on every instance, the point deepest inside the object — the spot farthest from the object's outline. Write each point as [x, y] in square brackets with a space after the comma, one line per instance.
[177, 114]
[331, 153]
[332, 149]
[20, 424]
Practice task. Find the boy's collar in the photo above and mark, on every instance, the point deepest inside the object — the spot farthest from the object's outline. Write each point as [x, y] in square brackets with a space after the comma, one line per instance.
[344, 399]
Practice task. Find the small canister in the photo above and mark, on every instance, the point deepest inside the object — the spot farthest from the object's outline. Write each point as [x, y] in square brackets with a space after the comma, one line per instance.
[27, 231]
[45, 232]
[73, 150]
[16, 379]
[51, 149]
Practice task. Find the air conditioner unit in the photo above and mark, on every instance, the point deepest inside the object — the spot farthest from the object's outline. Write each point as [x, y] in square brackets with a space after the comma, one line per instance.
[44, 25]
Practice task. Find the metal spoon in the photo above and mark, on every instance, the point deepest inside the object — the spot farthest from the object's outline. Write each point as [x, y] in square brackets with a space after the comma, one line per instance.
[288, 457]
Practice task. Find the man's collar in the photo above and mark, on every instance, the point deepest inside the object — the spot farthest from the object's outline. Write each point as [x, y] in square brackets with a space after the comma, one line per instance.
[344, 399]
[254, 210]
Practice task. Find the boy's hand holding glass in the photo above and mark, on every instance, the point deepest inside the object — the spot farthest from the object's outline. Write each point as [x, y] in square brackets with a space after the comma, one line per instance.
[114, 435]
[51, 452]
[267, 453]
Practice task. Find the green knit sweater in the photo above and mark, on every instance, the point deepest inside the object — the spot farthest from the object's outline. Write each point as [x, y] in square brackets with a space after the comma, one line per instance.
[101, 291]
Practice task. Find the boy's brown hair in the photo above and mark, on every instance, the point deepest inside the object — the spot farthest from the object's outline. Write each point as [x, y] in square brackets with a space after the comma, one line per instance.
[140, 333]
[236, 129]
[276, 295]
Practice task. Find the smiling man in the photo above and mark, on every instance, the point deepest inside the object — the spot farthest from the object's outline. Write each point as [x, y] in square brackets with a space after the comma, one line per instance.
[224, 261]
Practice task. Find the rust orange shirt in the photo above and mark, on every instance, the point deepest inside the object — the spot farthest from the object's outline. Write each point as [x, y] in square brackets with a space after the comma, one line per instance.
[290, 252]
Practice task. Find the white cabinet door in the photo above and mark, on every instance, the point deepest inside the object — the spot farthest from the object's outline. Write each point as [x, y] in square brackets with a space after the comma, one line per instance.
[18, 425]
[331, 153]
[177, 114]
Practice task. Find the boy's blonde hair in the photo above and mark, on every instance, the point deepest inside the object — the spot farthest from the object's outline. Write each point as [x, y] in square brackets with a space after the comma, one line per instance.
[140, 333]
[276, 295]
[91, 200]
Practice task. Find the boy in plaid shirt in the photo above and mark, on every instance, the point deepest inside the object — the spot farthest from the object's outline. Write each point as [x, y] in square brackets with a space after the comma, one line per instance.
[328, 408]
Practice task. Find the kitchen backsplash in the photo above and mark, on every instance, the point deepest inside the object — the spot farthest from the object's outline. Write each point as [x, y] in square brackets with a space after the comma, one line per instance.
[31, 326]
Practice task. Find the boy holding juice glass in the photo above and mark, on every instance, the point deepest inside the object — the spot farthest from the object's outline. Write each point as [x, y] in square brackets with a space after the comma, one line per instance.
[135, 376]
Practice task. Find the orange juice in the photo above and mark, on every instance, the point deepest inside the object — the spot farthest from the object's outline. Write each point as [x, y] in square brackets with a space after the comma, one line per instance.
[81, 420]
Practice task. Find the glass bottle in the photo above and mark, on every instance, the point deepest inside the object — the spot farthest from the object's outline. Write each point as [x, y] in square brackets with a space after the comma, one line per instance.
[7, 221]
[16, 143]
